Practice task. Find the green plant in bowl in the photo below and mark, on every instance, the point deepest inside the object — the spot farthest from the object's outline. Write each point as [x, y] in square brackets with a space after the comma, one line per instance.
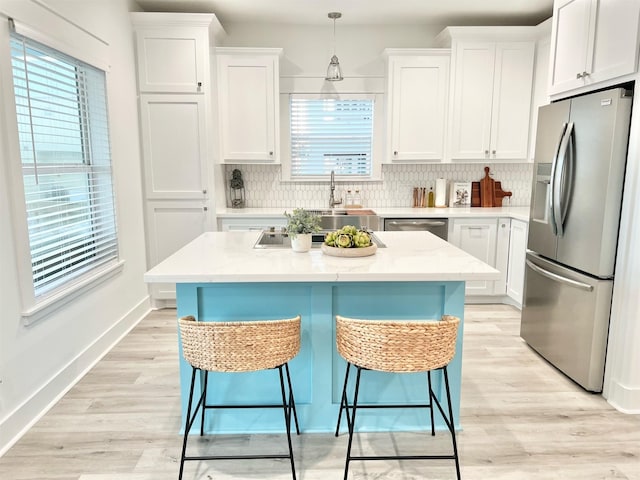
[348, 237]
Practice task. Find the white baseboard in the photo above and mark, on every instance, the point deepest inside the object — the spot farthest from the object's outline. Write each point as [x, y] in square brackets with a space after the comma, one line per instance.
[20, 420]
[623, 398]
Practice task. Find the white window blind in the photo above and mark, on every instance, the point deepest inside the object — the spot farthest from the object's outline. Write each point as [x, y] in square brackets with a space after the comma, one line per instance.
[66, 164]
[331, 134]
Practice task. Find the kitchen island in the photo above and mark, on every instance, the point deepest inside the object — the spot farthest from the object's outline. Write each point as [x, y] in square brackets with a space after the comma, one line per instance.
[220, 277]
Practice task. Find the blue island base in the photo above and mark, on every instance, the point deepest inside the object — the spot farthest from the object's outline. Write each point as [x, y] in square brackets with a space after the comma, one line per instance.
[317, 372]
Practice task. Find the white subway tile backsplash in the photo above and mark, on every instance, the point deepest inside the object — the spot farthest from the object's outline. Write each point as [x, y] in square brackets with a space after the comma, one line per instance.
[264, 187]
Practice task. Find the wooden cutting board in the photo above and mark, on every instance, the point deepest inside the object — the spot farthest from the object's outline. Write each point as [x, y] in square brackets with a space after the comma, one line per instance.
[487, 190]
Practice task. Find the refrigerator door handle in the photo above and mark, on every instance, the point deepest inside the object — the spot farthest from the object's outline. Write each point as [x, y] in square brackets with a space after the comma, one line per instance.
[563, 170]
[552, 181]
[559, 278]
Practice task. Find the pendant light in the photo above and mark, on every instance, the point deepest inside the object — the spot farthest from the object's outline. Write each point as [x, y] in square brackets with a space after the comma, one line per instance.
[334, 73]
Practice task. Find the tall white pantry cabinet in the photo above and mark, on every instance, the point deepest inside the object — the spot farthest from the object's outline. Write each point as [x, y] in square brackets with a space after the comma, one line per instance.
[174, 91]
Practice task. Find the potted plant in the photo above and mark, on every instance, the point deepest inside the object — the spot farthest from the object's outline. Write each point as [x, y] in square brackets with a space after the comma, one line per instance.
[301, 224]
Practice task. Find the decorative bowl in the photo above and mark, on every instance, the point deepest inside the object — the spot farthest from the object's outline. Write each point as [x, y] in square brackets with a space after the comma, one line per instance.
[349, 252]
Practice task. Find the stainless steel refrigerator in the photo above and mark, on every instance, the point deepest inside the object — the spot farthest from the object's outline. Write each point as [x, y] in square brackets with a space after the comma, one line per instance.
[578, 178]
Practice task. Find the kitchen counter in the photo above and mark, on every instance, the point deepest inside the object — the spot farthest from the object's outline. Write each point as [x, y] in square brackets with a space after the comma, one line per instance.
[230, 257]
[519, 213]
[418, 276]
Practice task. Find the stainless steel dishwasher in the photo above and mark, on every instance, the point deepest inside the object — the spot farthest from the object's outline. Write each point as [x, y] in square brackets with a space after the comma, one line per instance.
[437, 226]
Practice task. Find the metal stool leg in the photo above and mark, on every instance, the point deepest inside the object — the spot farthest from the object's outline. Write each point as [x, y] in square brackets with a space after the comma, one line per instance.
[352, 423]
[292, 400]
[344, 404]
[452, 427]
[287, 419]
[204, 400]
[431, 395]
[187, 424]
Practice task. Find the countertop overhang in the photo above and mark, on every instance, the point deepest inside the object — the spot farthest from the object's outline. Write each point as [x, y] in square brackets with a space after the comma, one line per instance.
[229, 257]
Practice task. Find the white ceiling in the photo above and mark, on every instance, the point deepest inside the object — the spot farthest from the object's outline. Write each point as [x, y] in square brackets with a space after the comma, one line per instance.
[370, 12]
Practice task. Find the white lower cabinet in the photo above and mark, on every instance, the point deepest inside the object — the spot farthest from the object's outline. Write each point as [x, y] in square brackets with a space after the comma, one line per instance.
[517, 253]
[171, 225]
[487, 239]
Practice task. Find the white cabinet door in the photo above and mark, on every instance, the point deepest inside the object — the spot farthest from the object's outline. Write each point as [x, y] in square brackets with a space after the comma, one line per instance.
[569, 44]
[592, 41]
[174, 146]
[171, 225]
[511, 108]
[477, 237]
[418, 88]
[615, 49]
[172, 58]
[517, 253]
[502, 255]
[248, 107]
[491, 100]
[472, 101]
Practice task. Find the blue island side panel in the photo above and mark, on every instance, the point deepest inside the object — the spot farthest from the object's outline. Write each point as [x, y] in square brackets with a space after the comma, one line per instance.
[317, 372]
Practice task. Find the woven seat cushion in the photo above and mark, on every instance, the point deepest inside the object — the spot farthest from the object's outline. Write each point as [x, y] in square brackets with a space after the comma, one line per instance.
[397, 345]
[241, 346]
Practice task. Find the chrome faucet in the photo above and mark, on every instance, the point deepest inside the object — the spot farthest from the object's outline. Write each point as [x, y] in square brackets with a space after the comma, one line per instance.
[332, 186]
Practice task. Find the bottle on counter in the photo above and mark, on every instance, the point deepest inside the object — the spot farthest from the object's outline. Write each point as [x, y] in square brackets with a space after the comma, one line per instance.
[348, 201]
[431, 202]
[357, 199]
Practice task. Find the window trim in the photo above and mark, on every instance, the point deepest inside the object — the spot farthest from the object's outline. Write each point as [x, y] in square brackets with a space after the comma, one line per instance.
[34, 309]
[377, 149]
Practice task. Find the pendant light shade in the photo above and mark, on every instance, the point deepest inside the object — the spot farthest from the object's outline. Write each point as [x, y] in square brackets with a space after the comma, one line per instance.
[334, 72]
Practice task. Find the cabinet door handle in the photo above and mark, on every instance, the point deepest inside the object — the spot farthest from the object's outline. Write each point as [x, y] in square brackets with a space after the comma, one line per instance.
[585, 74]
[580, 75]
[206, 209]
[486, 153]
[204, 191]
[199, 84]
[395, 153]
[271, 154]
[493, 152]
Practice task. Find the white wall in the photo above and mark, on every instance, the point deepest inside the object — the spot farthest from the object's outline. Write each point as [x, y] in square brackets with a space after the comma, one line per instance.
[38, 363]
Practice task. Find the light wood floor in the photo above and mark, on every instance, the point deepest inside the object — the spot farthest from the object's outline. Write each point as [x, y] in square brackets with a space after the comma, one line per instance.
[521, 418]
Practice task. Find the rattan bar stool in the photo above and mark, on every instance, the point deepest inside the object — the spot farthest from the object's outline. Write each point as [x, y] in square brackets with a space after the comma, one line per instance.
[397, 346]
[242, 346]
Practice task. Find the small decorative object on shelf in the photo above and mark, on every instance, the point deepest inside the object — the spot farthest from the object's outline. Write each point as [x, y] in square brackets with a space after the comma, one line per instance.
[236, 189]
[301, 224]
[348, 242]
[460, 194]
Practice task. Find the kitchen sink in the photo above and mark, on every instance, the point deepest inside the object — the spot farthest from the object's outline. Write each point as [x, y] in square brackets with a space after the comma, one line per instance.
[279, 239]
[334, 219]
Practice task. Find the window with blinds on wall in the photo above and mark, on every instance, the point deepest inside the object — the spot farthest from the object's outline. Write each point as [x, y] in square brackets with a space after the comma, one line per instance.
[331, 134]
[66, 164]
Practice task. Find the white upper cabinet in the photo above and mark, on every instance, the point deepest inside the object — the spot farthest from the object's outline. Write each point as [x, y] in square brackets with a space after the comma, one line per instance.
[248, 104]
[592, 41]
[490, 100]
[172, 52]
[417, 94]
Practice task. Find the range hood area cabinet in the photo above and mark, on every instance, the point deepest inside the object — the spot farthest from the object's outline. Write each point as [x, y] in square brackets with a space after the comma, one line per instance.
[417, 95]
[248, 104]
[592, 42]
[491, 92]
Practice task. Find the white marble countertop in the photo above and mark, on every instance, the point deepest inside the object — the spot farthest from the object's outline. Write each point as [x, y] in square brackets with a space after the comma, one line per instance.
[519, 213]
[222, 257]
